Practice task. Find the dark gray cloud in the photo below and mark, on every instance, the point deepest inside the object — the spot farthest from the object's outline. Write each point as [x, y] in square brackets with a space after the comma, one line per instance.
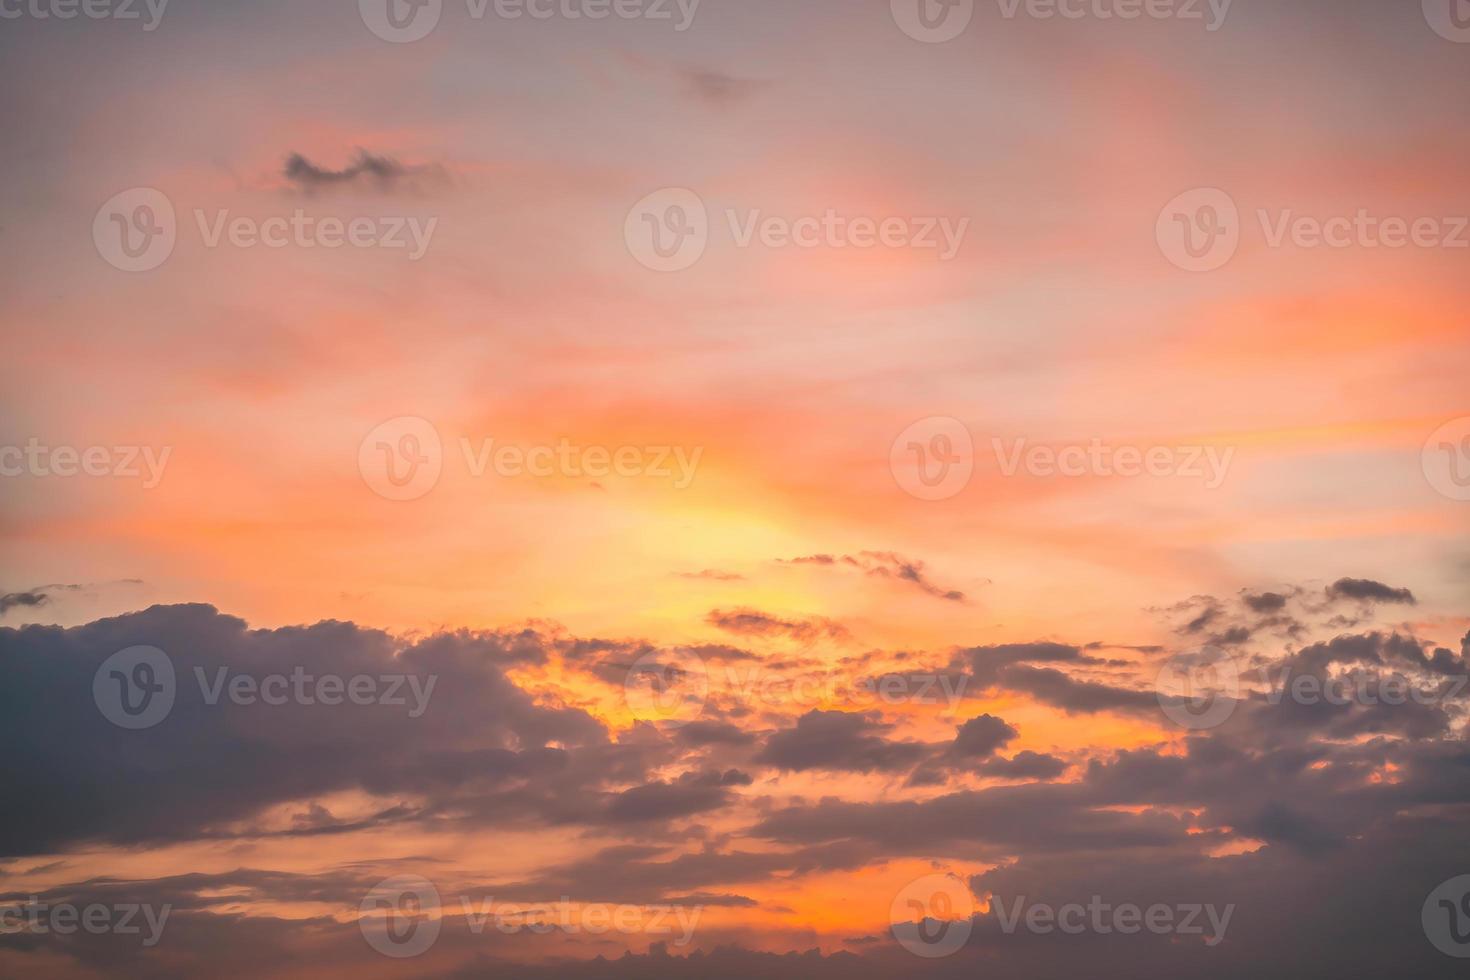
[85, 779]
[22, 600]
[753, 622]
[885, 564]
[979, 738]
[842, 742]
[367, 170]
[717, 88]
[1370, 591]
[1265, 602]
[986, 663]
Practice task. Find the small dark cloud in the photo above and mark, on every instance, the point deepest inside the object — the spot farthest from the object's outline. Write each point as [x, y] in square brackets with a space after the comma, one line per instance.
[1367, 590]
[839, 741]
[1025, 765]
[753, 622]
[367, 170]
[39, 596]
[980, 737]
[716, 88]
[703, 733]
[713, 575]
[20, 600]
[1265, 602]
[884, 564]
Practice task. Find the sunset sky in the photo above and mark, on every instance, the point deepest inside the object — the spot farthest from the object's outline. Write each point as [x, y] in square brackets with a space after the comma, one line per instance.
[659, 523]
